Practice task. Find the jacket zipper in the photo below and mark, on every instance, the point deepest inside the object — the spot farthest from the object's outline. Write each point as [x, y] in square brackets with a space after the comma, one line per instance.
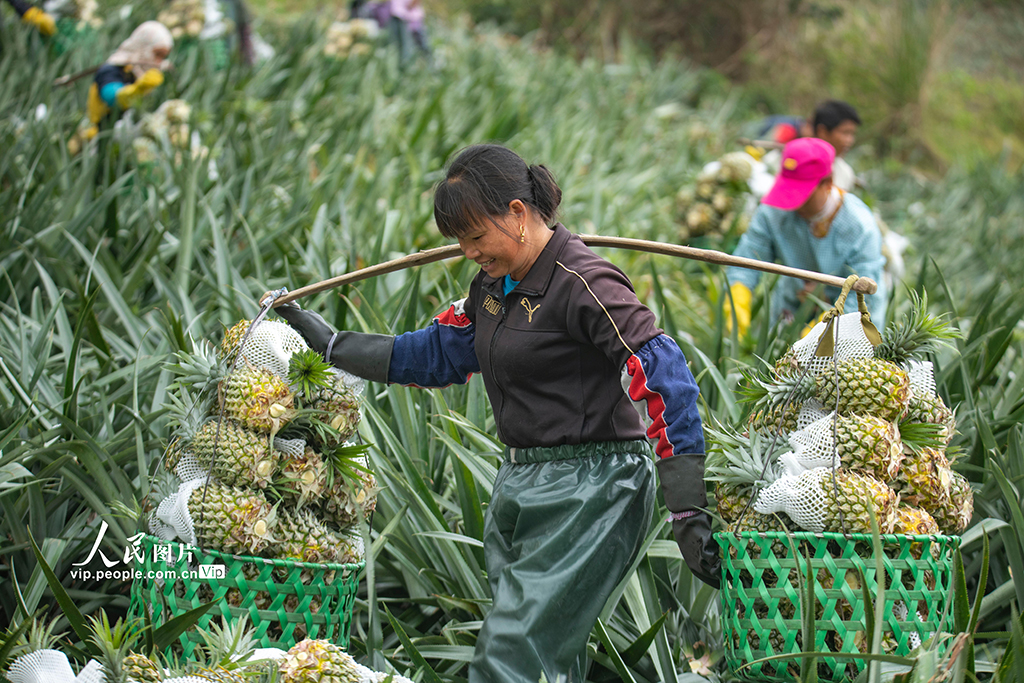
[490, 358]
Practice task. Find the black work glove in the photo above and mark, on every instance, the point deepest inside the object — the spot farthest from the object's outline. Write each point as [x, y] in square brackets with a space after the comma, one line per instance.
[682, 482]
[364, 355]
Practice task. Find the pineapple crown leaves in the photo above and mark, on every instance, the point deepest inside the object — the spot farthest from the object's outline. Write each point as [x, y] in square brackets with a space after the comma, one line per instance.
[766, 389]
[114, 642]
[918, 435]
[308, 373]
[347, 462]
[917, 334]
[231, 643]
[202, 369]
[741, 458]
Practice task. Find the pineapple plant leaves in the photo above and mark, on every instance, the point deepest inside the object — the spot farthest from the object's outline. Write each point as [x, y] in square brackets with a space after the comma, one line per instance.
[71, 612]
[609, 647]
[417, 659]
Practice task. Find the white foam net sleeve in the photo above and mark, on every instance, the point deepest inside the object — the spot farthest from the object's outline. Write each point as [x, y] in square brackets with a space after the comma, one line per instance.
[851, 343]
[813, 447]
[91, 673]
[293, 448]
[370, 676]
[799, 497]
[189, 469]
[357, 385]
[810, 412]
[41, 666]
[922, 377]
[270, 345]
[173, 512]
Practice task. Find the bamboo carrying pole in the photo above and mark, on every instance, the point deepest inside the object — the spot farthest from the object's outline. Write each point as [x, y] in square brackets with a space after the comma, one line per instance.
[865, 285]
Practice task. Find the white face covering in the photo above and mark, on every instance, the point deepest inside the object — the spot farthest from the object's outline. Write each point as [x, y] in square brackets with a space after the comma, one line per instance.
[138, 50]
[821, 221]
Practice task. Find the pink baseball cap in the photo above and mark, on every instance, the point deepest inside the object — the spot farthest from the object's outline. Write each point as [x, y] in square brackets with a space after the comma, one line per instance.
[805, 163]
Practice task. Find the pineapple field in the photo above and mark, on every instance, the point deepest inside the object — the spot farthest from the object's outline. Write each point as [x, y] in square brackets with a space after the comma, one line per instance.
[130, 272]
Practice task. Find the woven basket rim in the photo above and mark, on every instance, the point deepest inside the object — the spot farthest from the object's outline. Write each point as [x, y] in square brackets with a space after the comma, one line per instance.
[835, 536]
[277, 562]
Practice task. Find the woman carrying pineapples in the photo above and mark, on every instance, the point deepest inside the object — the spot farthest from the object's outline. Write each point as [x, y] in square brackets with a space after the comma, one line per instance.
[566, 352]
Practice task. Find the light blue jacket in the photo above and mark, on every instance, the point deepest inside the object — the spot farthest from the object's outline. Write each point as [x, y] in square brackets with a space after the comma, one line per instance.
[853, 245]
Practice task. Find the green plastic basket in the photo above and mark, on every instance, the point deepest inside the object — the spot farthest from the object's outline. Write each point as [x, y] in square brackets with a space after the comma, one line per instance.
[761, 609]
[286, 601]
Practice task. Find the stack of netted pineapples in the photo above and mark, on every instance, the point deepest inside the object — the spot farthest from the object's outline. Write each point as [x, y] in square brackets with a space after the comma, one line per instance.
[283, 482]
[350, 38]
[887, 437]
[890, 442]
[184, 18]
[719, 202]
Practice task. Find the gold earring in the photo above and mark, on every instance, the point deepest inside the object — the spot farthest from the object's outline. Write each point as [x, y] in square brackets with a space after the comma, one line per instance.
[522, 233]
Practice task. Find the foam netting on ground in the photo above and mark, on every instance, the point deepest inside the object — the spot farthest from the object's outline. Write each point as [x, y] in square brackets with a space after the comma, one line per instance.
[52, 666]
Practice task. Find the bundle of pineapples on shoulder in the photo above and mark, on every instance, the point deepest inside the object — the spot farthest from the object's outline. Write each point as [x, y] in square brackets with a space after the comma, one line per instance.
[261, 450]
[858, 434]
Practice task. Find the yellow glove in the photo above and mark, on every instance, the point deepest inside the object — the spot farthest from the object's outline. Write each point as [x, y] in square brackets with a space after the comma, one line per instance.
[41, 20]
[810, 326]
[756, 152]
[95, 107]
[741, 296]
[129, 95]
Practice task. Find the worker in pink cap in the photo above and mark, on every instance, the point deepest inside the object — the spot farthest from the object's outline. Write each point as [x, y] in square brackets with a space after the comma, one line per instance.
[806, 222]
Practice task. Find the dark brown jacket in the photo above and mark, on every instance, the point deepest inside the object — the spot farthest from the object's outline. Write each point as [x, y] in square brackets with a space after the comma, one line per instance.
[553, 352]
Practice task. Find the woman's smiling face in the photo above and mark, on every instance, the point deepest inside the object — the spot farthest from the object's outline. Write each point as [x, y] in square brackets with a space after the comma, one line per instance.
[496, 250]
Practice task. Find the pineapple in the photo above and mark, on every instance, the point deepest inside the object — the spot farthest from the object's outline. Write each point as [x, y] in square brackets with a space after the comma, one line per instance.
[954, 516]
[740, 466]
[241, 457]
[303, 537]
[931, 409]
[869, 445]
[914, 521]
[258, 399]
[218, 674]
[317, 661]
[347, 500]
[925, 479]
[774, 420]
[851, 495]
[302, 479]
[865, 386]
[231, 344]
[341, 404]
[141, 669]
[232, 520]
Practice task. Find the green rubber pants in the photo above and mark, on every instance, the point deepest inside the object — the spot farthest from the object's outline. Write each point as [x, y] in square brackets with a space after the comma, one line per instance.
[562, 529]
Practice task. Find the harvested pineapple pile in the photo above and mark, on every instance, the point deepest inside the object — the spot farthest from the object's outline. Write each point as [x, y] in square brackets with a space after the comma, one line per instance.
[84, 12]
[184, 18]
[350, 38]
[721, 202]
[167, 128]
[260, 451]
[865, 434]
